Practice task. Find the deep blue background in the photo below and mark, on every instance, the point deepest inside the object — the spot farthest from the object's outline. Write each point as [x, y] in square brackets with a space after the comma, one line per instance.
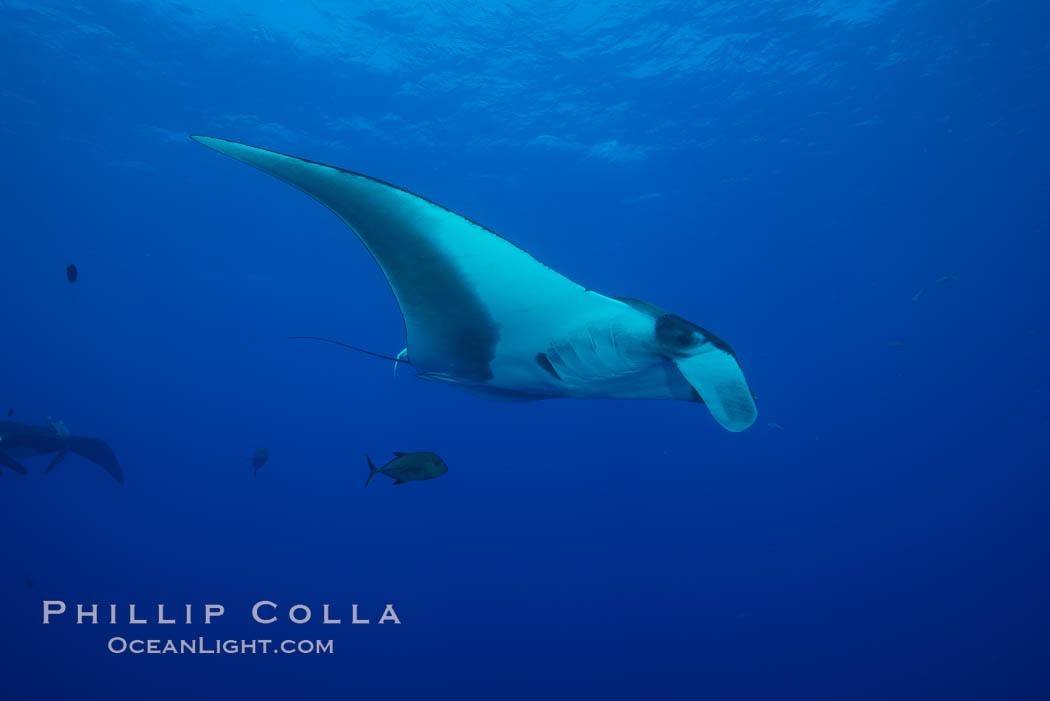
[788, 174]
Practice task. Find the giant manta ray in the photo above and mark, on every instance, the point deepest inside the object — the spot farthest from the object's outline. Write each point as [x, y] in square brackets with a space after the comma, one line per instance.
[484, 315]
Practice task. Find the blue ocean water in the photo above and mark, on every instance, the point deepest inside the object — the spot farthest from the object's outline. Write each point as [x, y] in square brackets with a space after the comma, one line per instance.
[853, 193]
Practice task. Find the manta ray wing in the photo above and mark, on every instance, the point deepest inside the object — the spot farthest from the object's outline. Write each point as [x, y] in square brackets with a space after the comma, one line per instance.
[8, 461]
[98, 452]
[466, 293]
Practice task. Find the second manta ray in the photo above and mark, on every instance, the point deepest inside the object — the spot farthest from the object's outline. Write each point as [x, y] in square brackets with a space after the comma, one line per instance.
[20, 440]
[484, 315]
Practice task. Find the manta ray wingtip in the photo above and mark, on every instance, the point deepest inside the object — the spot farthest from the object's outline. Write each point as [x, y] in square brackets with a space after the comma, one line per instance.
[212, 142]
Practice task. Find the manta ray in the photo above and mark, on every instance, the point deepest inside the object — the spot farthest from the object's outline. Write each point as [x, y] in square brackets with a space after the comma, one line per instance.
[21, 440]
[485, 316]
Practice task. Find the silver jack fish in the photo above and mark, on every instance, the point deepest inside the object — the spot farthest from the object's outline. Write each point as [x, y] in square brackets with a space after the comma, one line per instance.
[409, 467]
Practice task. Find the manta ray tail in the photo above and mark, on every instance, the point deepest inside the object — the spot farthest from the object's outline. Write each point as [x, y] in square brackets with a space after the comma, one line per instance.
[372, 470]
[99, 453]
[58, 458]
[398, 359]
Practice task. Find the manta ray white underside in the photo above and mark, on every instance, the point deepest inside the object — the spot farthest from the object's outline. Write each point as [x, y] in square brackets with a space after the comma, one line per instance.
[484, 315]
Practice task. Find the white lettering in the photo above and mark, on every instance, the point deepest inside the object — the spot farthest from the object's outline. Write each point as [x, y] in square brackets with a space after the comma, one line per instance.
[389, 615]
[292, 610]
[255, 611]
[213, 610]
[131, 616]
[81, 614]
[49, 609]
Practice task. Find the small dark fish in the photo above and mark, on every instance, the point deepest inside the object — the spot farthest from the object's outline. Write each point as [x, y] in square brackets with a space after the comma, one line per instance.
[259, 458]
[30, 584]
[409, 467]
[11, 411]
[898, 344]
[71, 272]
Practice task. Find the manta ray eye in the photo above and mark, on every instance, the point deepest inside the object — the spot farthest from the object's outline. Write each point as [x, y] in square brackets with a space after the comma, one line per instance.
[678, 334]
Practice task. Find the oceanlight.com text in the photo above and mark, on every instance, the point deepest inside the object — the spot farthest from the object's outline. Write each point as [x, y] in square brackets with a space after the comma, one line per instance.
[213, 646]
